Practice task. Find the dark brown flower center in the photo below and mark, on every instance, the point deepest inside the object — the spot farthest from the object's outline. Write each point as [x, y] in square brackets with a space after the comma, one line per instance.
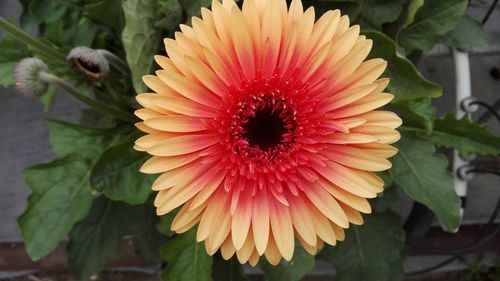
[265, 130]
[263, 125]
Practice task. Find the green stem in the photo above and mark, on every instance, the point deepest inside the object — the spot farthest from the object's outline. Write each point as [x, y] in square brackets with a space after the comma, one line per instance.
[52, 79]
[30, 40]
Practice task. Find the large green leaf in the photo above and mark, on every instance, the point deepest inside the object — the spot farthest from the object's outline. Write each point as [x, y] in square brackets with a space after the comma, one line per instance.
[67, 138]
[423, 175]
[372, 251]
[388, 200]
[147, 238]
[374, 13]
[48, 11]
[406, 82]
[11, 51]
[60, 197]
[116, 174]
[464, 135]
[98, 237]
[142, 37]
[186, 259]
[230, 270]
[107, 12]
[61, 190]
[468, 32]
[434, 18]
[420, 113]
[170, 15]
[301, 264]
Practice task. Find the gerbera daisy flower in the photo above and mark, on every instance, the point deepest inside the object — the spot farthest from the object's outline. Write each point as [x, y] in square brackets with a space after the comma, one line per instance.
[263, 125]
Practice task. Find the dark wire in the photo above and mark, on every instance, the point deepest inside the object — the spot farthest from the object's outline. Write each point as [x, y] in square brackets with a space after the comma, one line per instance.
[488, 107]
[490, 11]
[482, 239]
[487, 114]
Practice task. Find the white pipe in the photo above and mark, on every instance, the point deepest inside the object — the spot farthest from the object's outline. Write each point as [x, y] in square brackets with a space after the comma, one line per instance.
[462, 92]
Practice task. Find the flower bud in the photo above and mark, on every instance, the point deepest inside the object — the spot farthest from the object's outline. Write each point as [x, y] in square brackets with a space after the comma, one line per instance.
[27, 77]
[88, 62]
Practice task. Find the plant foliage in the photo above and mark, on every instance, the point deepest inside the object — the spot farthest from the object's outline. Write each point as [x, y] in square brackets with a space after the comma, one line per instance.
[95, 195]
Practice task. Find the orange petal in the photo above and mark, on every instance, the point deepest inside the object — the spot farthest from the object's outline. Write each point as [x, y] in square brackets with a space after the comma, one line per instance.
[241, 219]
[358, 203]
[301, 220]
[157, 164]
[384, 134]
[183, 106]
[346, 179]
[260, 221]
[326, 204]
[356, 158]
[176, 123]
[183, 144]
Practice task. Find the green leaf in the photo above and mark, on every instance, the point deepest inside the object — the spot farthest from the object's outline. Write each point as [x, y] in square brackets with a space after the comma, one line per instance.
[372, 251]
[406, 82]
[388, 200]
[48, 11]
[170, 15]
[140, 38]
[60, 197]
[98, 238]
[464, 135]
[411, 10]
[301, 264]
[434, 18]
[106, 12]
[67, 138]
[374, 13]
[96, 119]
[48, 97]
[423, 175]
[116, 174]
[81, 33]
[146, 237]
[6, 71]
[186, 259]
[468, 32]
[419, 113]
[230, 270]
[165, 222]
[27, 21]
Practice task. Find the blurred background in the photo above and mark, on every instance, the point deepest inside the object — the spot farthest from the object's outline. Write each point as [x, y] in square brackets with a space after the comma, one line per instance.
[24, 142]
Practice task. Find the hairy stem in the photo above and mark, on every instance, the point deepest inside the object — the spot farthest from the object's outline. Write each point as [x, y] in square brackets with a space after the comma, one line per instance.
[52, 79]
[29, 40]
